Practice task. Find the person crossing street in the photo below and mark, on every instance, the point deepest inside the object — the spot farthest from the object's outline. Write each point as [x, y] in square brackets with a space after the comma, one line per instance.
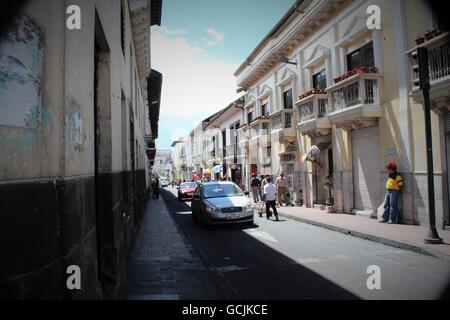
[269, 198]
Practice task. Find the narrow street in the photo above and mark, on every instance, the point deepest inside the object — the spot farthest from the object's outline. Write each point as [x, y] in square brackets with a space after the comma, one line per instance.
[271, 260]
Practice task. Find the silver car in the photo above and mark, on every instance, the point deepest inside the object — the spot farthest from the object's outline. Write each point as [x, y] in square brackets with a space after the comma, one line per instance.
[221, 203]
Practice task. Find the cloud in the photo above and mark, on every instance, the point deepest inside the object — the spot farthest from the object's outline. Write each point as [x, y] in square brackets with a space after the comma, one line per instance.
[215, 34]
[170, 32]
[194, 83]
[215, 37]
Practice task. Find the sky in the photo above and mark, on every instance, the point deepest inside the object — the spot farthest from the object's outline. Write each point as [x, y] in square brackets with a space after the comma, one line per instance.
[197, 48]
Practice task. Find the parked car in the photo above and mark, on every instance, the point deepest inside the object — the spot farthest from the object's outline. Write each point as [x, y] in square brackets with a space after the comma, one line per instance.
[221, 203]
[186, 190]
[164, 183]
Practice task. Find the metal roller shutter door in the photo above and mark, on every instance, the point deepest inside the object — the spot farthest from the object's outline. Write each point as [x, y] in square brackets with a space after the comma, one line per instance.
[447, 123]
[366, 169]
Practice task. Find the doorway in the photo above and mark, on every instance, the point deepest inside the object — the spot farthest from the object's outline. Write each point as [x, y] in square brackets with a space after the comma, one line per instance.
[102, 134]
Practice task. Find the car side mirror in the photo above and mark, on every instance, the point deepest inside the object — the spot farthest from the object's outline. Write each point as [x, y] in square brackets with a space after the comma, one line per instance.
[247, 193]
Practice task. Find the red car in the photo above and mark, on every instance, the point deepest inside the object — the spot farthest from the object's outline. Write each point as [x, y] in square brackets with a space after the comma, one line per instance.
[186, 190]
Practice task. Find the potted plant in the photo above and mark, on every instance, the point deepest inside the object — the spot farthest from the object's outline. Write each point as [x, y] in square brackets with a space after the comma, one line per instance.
[336, 80]
[419, 40]
[429, 35]
[436, 32]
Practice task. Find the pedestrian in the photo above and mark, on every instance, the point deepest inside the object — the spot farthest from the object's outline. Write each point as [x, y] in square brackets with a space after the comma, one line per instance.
[282, 188]
[156, 188]
[269, 198]
[256, 186]
[394, 185]
[261, 188]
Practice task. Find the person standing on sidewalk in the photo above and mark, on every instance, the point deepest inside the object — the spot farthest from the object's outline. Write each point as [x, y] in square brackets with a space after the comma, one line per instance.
[394, 185]
[262, 181]
[282, 188]
[269, 197]
[256, 185]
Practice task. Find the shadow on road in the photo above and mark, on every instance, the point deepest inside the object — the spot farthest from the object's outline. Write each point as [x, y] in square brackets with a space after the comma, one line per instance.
[253, 269]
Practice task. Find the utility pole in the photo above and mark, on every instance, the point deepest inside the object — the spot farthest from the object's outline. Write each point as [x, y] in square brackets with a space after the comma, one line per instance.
[424, 81]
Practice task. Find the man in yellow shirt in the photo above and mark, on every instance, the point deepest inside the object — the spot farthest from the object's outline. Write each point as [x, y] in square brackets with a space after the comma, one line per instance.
[394, 185]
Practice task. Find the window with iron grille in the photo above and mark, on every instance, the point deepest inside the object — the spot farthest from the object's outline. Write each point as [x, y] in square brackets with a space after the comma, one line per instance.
[287, 99]
[288, 120]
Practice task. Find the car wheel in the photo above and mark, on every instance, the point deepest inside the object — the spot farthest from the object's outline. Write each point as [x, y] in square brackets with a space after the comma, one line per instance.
[204, 223]
[249, 224]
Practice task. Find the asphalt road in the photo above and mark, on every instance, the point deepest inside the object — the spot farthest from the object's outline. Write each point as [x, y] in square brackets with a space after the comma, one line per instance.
[292, 260]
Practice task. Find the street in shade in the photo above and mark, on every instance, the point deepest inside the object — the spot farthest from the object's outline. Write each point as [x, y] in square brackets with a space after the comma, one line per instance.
[283, 259]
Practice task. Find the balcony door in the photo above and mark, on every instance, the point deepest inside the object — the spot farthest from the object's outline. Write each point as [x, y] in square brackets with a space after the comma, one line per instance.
[447, 158]
[362, 57]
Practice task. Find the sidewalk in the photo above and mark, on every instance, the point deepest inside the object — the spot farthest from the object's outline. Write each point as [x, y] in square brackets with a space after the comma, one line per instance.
[163, 265]
[406, 237]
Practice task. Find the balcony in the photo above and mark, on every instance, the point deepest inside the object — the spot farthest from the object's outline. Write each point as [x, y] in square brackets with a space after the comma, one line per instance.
[439, 66]
[214, 156]
[230, 152]
[355, 101]
[243, 135]
[313, 111]
[282, 123]
[260, 132]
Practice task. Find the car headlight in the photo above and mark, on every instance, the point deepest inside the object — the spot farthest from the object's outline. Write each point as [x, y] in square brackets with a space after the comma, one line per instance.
[211, 208]
[248, 208]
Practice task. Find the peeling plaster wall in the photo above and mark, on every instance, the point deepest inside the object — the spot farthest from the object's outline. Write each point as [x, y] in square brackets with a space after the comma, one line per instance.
[29, 111]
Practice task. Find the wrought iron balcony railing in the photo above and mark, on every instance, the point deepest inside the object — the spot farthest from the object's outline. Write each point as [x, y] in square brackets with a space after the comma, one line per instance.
[359, 89]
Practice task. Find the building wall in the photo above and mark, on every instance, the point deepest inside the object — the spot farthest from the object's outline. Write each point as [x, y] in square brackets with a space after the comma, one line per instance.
[48, 153]
[401, 126]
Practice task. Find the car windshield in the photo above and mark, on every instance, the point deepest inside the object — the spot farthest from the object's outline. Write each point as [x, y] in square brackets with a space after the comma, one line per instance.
[188, 185]
[221, 191]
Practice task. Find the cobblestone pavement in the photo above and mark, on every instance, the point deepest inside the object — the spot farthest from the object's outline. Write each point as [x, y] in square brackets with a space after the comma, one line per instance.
[163, 265]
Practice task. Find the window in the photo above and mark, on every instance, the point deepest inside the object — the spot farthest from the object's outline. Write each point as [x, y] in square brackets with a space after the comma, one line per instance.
[362, 57]
[265, 126]
[287, 99]
[265, 109]
[250, 117]
[319, 80]
[122, 27]
[288, 120]
[221, 191]
[269, 152]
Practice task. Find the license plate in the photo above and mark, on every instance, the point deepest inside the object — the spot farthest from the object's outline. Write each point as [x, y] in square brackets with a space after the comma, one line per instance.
[232, 217]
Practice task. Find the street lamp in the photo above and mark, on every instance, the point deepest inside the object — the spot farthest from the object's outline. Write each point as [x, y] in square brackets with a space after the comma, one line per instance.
[424, 82]
[284, 59]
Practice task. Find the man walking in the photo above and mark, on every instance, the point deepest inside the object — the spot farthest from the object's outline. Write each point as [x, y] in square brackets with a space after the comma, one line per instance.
[394, 185]
[282, 187]
[269, 197]
[256, 185]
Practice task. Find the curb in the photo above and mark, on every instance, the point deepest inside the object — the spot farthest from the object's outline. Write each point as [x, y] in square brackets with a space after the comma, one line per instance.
[367, 236]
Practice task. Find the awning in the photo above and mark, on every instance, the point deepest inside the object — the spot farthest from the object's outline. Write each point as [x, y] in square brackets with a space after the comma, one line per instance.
[154, 99]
